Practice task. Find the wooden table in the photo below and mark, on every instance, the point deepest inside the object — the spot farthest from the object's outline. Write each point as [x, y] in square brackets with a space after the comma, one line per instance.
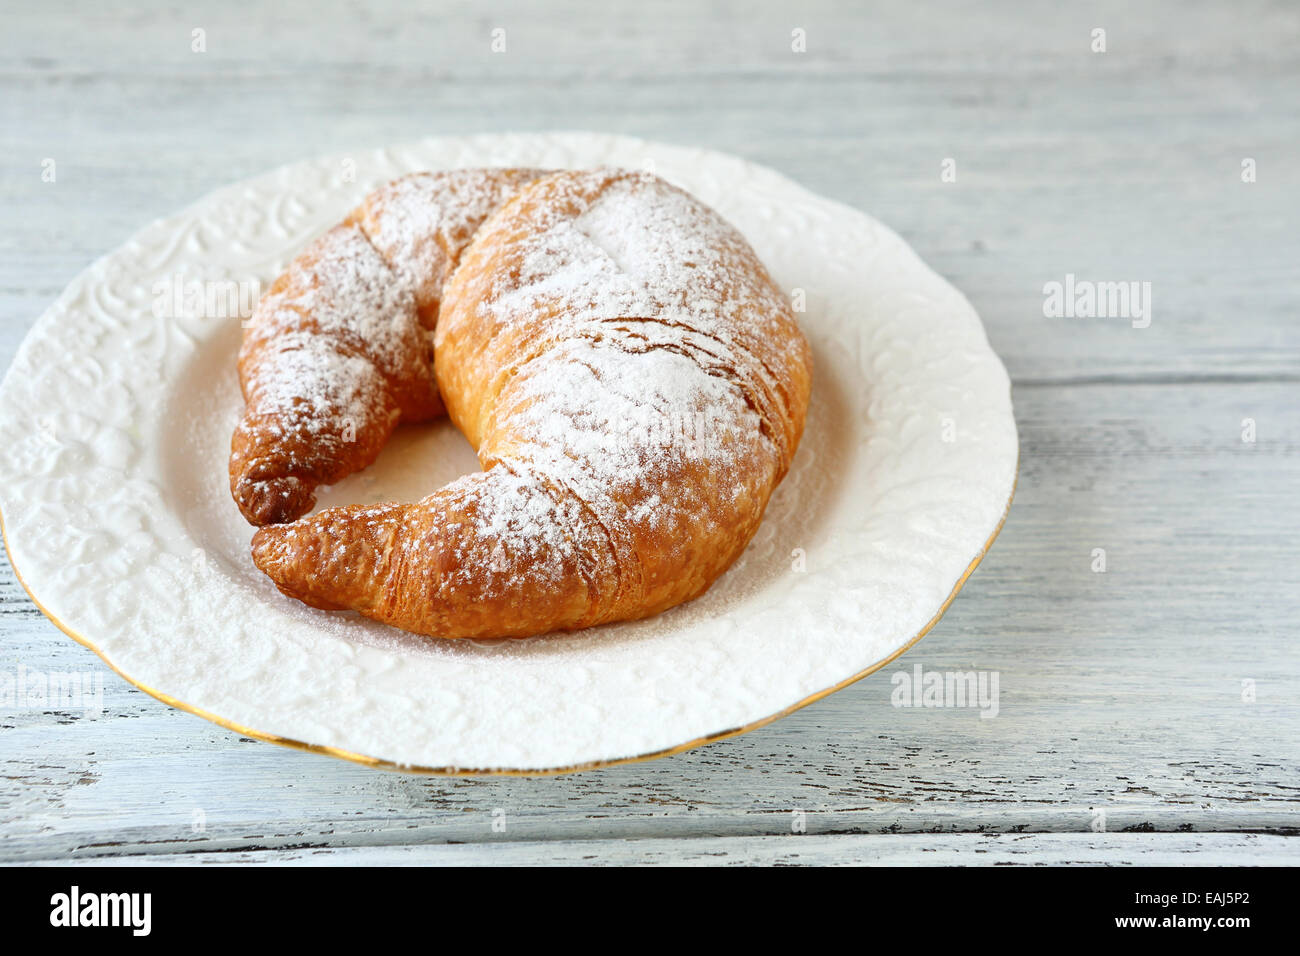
[1157, 700]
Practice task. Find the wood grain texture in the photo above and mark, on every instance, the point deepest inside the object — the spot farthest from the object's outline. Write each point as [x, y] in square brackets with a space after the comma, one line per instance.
[1120, 692]
[966, 849]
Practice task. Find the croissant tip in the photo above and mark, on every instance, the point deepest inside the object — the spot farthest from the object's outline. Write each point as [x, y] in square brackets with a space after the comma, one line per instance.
[275, 557]
[283, 552]
[266, 545]
[274, 500]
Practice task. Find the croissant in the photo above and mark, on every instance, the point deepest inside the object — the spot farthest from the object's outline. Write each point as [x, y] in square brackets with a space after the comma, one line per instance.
[632, 380]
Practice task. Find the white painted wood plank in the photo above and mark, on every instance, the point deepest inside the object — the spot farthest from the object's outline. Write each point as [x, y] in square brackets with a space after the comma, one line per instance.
[1143, 849]
[669, 36]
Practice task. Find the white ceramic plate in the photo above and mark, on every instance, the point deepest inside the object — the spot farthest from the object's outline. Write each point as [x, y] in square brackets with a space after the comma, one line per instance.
[115, 422]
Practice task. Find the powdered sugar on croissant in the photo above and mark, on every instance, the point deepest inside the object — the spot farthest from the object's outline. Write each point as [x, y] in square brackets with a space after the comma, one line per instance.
[341, 347]
[633, 382]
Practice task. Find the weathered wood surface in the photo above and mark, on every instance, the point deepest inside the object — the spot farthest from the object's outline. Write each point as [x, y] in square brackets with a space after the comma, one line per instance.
[1120, 692]
[965, 849]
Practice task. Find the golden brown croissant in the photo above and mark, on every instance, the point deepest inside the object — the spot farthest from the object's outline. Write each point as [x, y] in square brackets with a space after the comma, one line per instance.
[633, 382]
